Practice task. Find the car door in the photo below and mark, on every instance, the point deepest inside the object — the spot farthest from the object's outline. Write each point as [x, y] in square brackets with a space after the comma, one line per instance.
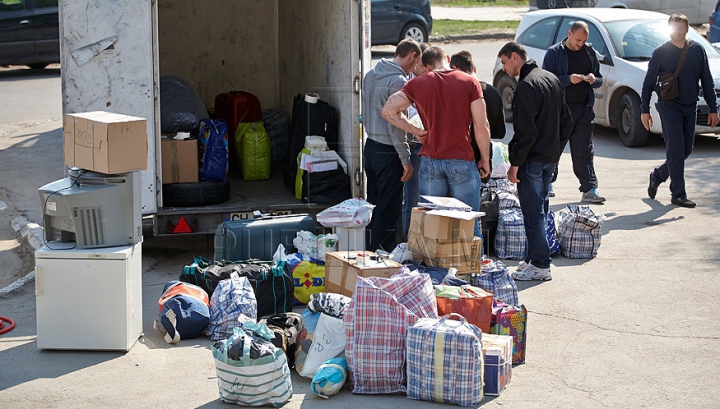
[600, 45]
[385, 17]
[46, 30]
[16, 31]
[539, 37]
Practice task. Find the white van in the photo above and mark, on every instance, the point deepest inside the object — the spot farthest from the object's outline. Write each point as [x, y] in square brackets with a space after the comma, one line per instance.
[697, 11]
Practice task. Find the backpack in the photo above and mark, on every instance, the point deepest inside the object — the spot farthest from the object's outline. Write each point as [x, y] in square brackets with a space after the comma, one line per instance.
[184, 312]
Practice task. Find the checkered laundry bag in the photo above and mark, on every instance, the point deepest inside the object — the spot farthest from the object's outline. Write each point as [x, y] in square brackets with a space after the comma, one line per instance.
[445, 361]
[276, 124]
[510, 239]
[376, 323]
[579, 231]
[232, 298]
[498, 281]
[552, 233]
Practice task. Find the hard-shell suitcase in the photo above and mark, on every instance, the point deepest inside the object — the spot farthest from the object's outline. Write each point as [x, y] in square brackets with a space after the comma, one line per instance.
[259, 238]
[235, 107]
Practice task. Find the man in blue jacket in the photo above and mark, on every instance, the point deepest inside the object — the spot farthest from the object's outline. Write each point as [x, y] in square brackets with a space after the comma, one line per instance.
[576, 65]
[678, 114]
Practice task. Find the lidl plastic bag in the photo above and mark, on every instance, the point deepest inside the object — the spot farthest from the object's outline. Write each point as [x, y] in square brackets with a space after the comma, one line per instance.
[309, 278]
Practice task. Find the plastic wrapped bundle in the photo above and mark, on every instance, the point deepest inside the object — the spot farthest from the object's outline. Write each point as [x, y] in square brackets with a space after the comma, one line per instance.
[330, 377]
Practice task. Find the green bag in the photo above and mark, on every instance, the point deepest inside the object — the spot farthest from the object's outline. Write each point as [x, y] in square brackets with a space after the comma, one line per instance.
[253, 145]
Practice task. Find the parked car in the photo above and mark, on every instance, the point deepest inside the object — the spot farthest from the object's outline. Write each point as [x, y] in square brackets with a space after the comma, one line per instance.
[393, 21]
[695, 10]
[29, 33]
[624, 41]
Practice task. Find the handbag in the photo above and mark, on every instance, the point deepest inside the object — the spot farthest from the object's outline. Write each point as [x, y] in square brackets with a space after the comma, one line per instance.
[667, 81]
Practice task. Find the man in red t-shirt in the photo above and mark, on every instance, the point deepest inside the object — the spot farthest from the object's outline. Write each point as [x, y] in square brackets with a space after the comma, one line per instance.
[448, 101]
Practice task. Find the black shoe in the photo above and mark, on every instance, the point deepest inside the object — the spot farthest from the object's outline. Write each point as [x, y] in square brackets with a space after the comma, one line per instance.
[683, 202]
[652, 188]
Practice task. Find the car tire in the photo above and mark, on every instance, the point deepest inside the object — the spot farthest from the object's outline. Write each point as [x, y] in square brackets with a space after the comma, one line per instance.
[38, 65]
[415, 31]
[201, 193]
[506, 87]
[630, 128]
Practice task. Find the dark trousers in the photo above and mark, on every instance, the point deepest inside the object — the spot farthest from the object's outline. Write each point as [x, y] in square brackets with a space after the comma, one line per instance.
[582, 148]
[678, 126]
[383, 170]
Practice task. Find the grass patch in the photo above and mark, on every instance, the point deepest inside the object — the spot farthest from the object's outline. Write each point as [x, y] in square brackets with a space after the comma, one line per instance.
[461, 27]
[479, 3]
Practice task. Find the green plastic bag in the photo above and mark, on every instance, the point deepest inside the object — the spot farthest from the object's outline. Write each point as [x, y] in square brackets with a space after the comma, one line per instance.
[253, 145]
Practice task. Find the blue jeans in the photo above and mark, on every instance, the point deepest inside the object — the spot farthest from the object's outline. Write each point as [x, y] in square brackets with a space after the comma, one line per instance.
[533, 193]
[410, 189]
[678, 126]
[461, 177]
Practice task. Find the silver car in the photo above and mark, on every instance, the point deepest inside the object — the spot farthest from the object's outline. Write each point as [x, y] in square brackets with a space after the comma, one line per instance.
[624, 40]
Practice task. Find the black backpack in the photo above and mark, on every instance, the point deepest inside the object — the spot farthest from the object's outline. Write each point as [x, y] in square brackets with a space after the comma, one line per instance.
[274, 288]
[286, 327]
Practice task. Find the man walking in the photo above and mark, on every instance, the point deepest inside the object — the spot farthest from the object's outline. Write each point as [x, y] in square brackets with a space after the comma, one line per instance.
[448, 101]
[542, 122]
[679, 113]
[387, 152]
[576, 65]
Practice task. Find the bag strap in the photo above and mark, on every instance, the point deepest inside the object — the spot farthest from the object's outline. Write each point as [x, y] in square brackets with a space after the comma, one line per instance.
[682, 59]
[170, 314]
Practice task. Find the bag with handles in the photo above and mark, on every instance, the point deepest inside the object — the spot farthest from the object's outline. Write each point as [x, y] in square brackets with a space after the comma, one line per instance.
[184, 312]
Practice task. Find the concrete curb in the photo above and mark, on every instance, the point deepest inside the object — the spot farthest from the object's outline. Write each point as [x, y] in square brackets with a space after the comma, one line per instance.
[509, 35]
[35, 235]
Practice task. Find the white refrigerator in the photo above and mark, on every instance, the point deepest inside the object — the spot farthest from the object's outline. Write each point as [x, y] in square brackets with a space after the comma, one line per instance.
[88, 299]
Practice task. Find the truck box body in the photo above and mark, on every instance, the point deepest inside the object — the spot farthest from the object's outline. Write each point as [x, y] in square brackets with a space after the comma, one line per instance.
[114, 52]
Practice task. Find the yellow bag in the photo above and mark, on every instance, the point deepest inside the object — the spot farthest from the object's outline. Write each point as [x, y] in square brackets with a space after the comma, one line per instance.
[309, 278]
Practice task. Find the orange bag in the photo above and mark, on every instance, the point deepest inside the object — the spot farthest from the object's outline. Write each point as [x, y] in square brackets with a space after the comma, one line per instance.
[473, 303]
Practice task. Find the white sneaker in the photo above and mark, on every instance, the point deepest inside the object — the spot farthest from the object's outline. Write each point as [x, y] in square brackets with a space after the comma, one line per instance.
[530, 272]
[521, 266]
[592, 196]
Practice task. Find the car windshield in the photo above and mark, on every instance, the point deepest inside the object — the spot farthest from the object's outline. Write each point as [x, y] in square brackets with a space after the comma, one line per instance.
[635, 40]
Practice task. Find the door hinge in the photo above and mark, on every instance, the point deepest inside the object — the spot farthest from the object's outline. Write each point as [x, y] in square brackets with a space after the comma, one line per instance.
[358, 177]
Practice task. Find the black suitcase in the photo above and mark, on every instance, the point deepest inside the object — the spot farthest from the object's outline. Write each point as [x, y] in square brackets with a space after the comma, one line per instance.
[259, 238]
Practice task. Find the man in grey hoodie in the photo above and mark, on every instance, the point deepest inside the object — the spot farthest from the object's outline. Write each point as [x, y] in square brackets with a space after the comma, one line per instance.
[387, 151]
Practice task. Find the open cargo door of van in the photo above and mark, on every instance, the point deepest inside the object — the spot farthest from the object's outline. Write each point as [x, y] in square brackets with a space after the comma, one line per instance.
[108, 58]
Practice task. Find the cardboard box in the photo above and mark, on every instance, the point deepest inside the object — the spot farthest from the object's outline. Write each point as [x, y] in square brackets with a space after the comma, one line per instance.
[105, 142]
[342, 268]
[463, 254]
[179, 160]
[497, 355]
[441, 227]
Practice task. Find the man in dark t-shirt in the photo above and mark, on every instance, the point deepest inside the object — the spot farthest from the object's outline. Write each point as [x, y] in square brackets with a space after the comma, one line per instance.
[576, 65]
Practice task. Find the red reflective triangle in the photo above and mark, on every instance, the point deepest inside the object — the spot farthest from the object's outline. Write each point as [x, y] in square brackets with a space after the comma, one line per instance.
[182, 226]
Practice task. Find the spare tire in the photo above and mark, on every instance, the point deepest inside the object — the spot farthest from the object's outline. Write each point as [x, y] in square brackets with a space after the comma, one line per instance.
[201, 193]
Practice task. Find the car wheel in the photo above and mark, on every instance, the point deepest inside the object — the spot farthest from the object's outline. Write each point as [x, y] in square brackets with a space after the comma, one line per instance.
[195, 194]
[506, 87]
[38, 65]
[414, 31]
[630, 127]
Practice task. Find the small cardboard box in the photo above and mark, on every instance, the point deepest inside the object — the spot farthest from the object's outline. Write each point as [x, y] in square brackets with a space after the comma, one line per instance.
[342, 268]
[441, 225]
[105, 142]
[497, 355]
[463, 254]
[179, 160]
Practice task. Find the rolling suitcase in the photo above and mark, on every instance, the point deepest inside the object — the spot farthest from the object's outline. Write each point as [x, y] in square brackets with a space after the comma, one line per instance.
[235, 107]
[259, 238]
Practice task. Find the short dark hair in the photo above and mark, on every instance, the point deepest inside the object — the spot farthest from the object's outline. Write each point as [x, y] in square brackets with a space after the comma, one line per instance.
[679, 17]
[462, 60]
[406, 47]
[513, 47]
[432, 55]
[578, 25]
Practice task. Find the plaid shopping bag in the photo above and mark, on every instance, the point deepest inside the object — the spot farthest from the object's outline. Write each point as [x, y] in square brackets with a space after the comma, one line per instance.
[445, 361]
[231, 299]
[579, 232]
[376, 323]
[498, 281]
[508, 200]
[510, 239]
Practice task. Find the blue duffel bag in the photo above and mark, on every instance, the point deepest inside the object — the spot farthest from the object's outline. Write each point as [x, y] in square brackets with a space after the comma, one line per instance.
[184, 312]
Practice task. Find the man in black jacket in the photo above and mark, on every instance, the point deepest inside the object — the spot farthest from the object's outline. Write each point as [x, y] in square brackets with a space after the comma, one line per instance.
[542, 121]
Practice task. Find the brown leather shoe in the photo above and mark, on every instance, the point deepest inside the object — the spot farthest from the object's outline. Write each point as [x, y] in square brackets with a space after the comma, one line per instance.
[683, 202]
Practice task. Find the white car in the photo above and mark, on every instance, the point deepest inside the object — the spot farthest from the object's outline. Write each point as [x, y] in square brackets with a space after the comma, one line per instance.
[624, 40]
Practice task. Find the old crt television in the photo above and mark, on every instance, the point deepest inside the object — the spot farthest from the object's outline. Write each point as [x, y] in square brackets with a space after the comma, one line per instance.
[93, 209]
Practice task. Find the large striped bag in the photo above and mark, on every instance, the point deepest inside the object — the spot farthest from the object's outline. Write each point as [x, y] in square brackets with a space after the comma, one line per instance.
[231, 299]
[510, 239]
[579, 231]
[445, 361]
[251, 371]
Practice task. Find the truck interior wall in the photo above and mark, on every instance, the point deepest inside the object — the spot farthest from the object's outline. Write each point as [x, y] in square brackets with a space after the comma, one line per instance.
[323, 58]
